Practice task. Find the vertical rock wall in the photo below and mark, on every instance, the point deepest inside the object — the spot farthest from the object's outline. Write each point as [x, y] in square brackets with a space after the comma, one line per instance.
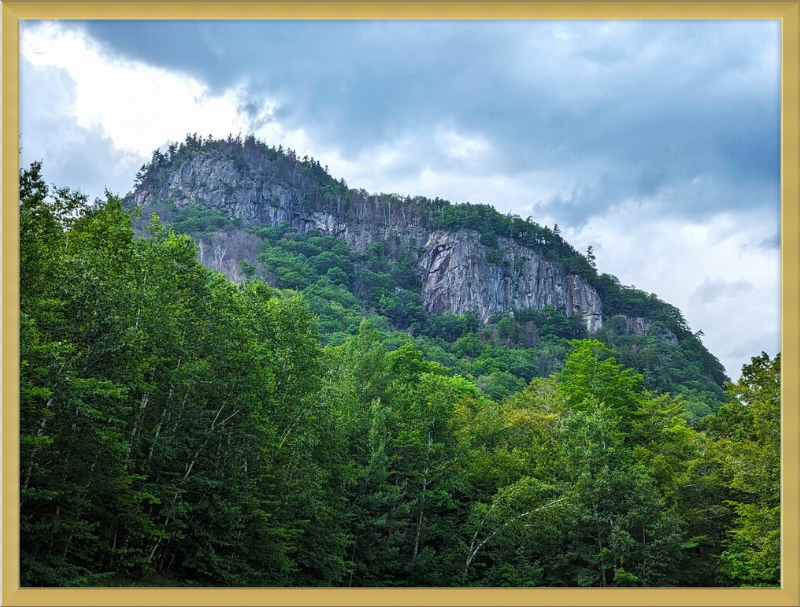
[458, 275]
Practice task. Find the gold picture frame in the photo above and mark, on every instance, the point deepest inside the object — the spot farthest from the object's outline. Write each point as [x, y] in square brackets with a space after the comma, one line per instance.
[784, 11]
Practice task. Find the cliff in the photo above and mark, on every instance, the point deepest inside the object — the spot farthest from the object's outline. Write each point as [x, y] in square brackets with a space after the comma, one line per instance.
[458, 272]
[457, 276]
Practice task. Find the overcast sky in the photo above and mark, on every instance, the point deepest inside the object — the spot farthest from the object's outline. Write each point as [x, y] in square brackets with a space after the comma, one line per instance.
[655, 142]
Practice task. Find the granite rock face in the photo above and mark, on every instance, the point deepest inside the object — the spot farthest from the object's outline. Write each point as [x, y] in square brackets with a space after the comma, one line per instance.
[255, 194]
[458, 273]
[458, 277]
[637, 325]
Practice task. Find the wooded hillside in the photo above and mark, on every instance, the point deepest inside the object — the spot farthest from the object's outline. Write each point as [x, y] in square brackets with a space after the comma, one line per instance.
[178, 428]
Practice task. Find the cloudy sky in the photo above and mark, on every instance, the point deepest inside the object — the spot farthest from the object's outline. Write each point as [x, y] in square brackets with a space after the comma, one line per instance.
[655, 142]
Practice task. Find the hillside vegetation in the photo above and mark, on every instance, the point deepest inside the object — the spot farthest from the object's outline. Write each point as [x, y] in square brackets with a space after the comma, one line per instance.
[383, 281]
[180, 428]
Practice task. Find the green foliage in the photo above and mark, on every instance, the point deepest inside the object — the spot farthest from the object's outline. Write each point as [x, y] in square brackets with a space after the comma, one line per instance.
[752, 452]
[548, 321]
[169, 420]
[592, 377]
[753, 554]
[180, 429]
[198, 220]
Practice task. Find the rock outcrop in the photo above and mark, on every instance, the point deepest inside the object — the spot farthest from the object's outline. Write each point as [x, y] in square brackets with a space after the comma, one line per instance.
[458, 277]
[457, 272]
[256, 193]
[638, 325]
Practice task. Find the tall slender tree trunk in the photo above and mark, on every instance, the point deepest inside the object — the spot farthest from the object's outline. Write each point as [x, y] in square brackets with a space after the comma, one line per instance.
[421, 514]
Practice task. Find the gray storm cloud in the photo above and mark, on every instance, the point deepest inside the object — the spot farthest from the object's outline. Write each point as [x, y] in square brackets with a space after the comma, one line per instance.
[659, 103]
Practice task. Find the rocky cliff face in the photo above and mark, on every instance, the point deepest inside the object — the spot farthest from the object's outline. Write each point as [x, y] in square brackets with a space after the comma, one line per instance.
[256, 193]
[458, 277]
[458, 273]
[637, 325]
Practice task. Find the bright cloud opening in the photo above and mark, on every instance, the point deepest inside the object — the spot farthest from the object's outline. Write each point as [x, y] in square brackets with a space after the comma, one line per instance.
[139, 107]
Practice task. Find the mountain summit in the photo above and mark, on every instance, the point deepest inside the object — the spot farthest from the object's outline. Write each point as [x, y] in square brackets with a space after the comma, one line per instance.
[456, 258]
[468, 257]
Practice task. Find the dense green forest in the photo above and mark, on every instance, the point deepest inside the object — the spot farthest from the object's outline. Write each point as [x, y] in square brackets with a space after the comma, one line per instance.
[179, 428]
[343, 287]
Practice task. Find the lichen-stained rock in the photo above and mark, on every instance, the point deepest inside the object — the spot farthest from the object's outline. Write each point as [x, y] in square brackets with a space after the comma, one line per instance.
[459, 276]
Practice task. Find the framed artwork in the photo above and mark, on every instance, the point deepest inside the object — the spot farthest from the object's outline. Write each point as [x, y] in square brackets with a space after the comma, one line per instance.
[526, 154]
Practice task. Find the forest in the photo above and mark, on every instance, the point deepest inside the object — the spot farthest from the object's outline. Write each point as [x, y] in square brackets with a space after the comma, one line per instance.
[309, 424]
